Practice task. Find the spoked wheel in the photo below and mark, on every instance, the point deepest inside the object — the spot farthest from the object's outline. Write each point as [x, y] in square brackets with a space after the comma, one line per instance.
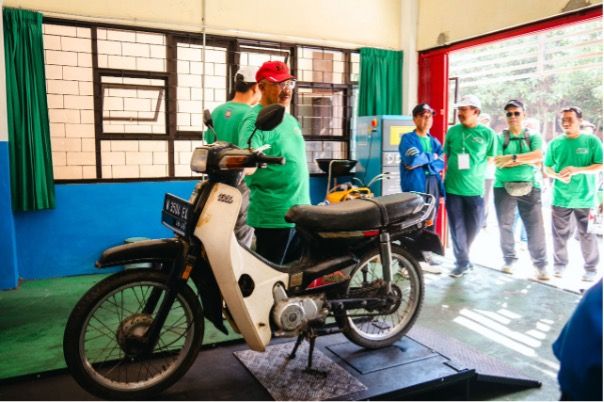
[380, 324]
[103, 341]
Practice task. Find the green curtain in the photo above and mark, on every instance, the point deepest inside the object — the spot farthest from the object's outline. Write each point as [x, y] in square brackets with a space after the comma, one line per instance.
[32, 184]
[381, 82]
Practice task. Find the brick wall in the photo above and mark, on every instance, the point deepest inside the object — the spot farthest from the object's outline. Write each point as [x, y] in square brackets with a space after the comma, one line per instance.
[67, 52]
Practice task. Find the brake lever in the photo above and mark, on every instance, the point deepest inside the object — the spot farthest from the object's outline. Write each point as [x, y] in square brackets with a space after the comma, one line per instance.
[263, 148]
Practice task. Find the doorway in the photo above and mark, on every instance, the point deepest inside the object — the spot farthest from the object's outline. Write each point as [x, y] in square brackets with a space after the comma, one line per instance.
[548, 65]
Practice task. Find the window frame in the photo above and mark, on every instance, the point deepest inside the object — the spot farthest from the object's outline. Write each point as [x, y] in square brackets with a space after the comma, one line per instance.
[233, 46]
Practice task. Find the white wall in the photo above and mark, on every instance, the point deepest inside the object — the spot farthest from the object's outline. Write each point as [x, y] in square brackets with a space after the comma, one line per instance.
[339, 23]
[463, 19]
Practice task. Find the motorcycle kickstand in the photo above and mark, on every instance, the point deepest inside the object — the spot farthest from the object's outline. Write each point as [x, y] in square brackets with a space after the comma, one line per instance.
[309, 369]
[292, 355]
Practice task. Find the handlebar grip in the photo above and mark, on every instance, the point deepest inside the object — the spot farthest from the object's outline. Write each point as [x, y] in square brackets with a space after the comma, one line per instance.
[271, 160]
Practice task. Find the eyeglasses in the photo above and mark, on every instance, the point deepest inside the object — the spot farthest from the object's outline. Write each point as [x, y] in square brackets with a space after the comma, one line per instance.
[291, 84]
[510, 114]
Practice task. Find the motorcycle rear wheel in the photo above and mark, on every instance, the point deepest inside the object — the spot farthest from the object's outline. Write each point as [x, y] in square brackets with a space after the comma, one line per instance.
[374, 327]
[101, 341]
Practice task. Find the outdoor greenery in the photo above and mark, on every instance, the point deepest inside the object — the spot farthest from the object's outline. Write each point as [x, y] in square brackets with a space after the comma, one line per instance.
[547, 71]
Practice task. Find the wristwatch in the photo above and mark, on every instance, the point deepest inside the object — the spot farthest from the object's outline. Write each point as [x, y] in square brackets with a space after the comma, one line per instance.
[514, 157]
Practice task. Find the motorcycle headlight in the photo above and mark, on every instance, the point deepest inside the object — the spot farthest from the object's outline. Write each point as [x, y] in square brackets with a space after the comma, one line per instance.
[199, 160]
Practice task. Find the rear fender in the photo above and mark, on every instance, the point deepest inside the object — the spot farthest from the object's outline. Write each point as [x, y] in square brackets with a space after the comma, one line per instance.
[422, 242]
[158, 250]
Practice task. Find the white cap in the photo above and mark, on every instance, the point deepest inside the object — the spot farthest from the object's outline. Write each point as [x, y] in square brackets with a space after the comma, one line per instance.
[469, 100]
[248, 73]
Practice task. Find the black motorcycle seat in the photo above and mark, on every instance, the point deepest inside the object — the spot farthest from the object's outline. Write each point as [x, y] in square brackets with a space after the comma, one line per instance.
[359, 214]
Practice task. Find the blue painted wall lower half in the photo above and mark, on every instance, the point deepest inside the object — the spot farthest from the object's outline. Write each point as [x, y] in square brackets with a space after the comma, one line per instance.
[91, 217]
[9, 277]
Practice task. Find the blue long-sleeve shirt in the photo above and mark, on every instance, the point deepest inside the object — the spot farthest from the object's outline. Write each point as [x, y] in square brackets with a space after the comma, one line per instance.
[425, 163]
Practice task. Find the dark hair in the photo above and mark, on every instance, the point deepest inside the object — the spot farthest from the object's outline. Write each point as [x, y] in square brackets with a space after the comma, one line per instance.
[242, 86]
[575, 109]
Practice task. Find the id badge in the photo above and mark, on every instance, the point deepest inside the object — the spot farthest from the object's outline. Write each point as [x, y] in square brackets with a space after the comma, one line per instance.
[463, 161]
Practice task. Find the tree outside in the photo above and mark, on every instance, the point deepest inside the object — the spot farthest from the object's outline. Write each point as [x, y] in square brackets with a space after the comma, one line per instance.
[547, 70]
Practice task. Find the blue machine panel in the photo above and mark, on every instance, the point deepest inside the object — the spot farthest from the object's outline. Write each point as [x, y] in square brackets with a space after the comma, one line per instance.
[374, 145]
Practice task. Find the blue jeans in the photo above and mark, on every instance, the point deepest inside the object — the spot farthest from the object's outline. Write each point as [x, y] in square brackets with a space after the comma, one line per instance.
[465, 219]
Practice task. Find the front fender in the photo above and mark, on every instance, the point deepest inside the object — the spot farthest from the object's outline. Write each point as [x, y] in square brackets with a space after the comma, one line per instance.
[157, 250]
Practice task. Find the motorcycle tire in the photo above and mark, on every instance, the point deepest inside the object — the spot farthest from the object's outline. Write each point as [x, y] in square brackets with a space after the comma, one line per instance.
[381, 326]
[100, 340]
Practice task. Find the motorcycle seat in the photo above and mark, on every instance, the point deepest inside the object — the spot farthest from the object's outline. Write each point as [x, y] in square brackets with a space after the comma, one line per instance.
[359, 214]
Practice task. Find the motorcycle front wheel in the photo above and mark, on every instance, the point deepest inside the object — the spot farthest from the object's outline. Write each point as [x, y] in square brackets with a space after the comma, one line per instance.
[379, 325]
[102, 343]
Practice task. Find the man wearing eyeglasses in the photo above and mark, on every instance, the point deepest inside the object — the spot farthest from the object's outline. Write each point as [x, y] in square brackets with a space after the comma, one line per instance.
[517, 186]
[573, 159]
[274, 189]
[468, 147]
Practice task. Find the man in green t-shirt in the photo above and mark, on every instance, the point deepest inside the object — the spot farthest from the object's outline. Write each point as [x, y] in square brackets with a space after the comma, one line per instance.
[468, 147]
[516, 186]
[227, 118]
[573, 159]
[276, 188]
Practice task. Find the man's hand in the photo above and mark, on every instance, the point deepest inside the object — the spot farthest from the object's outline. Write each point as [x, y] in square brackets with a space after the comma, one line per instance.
[564, 176]
[569, 171]
[412, 151]
[502, 161]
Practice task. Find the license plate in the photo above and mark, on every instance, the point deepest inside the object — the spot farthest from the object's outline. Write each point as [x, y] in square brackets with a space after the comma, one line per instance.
[177, 214]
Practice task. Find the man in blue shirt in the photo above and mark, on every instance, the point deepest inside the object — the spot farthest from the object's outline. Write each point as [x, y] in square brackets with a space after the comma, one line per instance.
[579, 349]
[421, 157]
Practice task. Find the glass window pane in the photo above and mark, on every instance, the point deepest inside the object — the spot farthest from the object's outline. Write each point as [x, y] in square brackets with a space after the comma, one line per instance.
[191, 97]
[318, 65]
[133, 105]
[324, 150]
[321, 111]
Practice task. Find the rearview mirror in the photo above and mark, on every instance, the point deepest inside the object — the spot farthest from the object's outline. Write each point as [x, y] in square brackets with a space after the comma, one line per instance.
[207, 118]
[270, 117]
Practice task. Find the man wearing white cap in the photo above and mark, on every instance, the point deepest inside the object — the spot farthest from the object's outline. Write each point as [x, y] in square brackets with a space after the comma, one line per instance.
[227, 118]
[468, 147]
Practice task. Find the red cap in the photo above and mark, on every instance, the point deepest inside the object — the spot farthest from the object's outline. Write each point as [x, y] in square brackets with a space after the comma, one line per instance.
[274, 71]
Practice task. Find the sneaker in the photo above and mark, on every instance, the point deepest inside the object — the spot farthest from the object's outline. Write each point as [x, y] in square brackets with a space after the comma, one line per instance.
[589, 276]
[559, 271]
[542, 274]
[508, 268]
[458, 272]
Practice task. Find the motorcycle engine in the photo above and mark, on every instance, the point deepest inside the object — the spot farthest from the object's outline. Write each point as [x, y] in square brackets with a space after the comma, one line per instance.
[292, 314]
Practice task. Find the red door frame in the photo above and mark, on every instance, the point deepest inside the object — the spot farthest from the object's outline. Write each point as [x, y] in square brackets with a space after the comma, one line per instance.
[433, 73]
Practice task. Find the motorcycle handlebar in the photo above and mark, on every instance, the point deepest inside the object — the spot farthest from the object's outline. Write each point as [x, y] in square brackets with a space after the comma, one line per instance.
[271, 160]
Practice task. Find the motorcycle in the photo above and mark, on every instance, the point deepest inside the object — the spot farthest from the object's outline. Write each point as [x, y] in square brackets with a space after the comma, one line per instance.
[138, 331]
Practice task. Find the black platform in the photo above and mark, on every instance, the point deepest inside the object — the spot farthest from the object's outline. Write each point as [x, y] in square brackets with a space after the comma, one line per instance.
[407, 370]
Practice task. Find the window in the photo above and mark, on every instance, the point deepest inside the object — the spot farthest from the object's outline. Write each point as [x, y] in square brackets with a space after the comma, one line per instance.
[128, 104]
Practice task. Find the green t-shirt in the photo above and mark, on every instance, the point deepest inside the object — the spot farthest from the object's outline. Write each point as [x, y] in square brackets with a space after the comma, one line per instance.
[276, 188]
[425, 141]
[227, 118]
[585, 150]
[518, 145]
[479, 143]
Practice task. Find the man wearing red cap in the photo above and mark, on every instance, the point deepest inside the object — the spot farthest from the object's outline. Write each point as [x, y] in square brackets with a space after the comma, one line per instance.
[276, 188]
